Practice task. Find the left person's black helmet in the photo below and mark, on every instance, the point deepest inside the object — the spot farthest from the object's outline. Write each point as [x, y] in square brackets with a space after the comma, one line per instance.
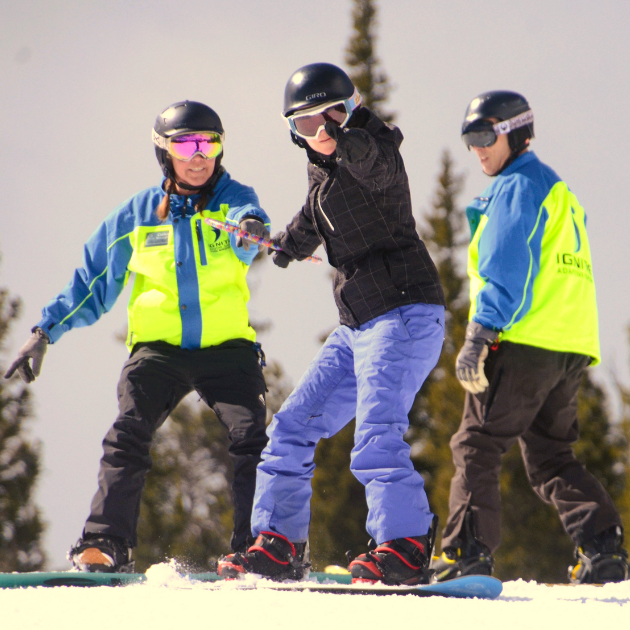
[184, 117]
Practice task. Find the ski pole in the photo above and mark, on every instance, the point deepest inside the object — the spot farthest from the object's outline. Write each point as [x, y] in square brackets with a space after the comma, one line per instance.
[259, 240]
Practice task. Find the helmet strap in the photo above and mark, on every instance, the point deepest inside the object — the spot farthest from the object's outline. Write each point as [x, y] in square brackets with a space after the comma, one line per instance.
[300, 142]
[207, 188]
[188, 186]
[516, 150]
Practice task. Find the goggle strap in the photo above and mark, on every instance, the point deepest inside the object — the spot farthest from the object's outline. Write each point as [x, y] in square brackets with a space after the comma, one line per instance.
[158, 140]
[516, 122]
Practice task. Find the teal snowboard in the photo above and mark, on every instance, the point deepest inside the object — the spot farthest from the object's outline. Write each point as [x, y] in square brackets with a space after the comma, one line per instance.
[481, 586]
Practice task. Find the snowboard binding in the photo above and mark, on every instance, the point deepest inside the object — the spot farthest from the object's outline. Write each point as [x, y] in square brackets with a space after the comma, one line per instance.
[272, 556]
[102, 554]
[402, 561]
[470, 557]
[601, 559]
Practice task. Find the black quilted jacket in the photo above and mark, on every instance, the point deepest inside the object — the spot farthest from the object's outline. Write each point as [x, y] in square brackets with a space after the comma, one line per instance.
[361, 213]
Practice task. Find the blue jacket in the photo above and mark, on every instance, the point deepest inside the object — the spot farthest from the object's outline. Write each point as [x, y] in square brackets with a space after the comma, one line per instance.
[529, 261]
[189, 287]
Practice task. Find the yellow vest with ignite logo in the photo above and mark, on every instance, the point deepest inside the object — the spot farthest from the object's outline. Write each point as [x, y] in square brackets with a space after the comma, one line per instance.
[557, 309]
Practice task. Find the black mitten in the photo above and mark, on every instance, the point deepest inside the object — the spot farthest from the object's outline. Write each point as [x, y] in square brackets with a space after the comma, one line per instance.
[352, 144]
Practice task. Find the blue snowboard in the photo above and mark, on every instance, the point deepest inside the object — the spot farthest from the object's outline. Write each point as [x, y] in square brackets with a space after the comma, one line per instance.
[468, 586]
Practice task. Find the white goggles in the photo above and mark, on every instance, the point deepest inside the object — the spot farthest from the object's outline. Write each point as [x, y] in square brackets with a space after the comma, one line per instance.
[310, 123]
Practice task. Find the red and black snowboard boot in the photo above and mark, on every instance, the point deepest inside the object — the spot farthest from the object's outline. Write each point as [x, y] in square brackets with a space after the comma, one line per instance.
[226, 566]
[272, 556]
[102, 554]
[398, 561]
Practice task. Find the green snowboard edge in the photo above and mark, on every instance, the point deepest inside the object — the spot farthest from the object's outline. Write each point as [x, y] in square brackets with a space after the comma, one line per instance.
[77, 578]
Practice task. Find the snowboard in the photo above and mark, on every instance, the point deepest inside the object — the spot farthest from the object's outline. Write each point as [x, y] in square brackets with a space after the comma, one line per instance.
[481, 586]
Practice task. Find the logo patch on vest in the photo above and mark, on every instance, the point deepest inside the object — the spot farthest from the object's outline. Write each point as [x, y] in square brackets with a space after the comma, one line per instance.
[575, 265]
[221, 241]
[156, 239]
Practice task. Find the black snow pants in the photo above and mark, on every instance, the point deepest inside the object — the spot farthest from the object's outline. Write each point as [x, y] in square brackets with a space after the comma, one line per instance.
[155, 378]
[532, 398]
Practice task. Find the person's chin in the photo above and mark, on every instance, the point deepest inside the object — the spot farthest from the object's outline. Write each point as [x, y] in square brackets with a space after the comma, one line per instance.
[199, 181]
[327, 149]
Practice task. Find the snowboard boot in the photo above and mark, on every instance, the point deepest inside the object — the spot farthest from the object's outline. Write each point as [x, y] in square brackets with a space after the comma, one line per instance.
[452, 563]
[272, 555]
[225, 566]
[468, 557]
[398, 561]
[601, 559]
[102, 554]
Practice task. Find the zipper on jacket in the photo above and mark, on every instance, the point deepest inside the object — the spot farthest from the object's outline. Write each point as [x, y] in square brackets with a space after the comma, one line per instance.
[200, 241]
[319, 203]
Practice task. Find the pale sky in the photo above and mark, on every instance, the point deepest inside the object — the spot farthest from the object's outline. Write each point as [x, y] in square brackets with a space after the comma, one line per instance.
[82, 82]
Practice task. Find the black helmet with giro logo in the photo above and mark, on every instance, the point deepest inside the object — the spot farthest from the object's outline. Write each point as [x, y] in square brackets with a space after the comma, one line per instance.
[316, 84]
[314, 87]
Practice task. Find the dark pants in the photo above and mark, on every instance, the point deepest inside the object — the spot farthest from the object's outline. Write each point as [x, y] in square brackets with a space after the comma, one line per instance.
[532, 398]
[154, 380]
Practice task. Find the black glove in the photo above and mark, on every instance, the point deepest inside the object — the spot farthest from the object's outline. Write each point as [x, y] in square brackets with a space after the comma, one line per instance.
[352, 144]
[35, 348]
[280, 258]
[255, 227]
[471, 358]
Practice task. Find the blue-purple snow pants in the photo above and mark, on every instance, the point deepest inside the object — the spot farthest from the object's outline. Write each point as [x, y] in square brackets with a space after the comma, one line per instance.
[372, 373]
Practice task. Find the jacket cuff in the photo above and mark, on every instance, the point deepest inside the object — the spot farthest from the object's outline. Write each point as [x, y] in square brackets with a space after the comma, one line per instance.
[248, 212]
[475, 330]
[50, 327]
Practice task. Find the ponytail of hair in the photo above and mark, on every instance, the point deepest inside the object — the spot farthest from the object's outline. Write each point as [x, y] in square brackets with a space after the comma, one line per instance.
[165, 205]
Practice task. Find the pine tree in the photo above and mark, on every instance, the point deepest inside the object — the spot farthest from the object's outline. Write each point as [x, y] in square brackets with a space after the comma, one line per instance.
[278, 387]
[372, 83]
[186, 509]
[338, 507]
[623, 503]
[21, 525]
[278, 383]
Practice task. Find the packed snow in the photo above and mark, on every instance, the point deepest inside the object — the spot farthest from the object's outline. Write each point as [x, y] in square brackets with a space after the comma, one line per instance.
[168, 601]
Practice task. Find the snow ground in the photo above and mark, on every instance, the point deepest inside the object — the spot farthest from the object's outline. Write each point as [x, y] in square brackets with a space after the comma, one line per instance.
[169, 602]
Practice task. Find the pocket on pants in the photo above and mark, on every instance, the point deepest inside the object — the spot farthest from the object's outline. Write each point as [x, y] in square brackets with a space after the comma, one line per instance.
[491, 393]
[419, 320]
